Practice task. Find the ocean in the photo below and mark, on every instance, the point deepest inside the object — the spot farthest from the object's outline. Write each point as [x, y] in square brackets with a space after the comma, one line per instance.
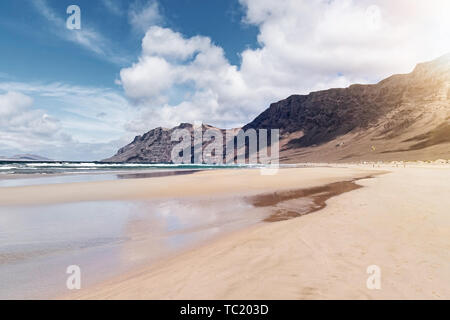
[24, 173]
[64, 167]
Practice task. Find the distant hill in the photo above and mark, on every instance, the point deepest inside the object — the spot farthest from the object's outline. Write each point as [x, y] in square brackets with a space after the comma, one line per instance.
[25, 157]
[404, 117]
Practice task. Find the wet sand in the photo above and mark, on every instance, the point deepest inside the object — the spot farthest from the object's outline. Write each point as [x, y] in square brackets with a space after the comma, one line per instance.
[398, 221]
[291, 200]
[20, 180]
[105, 238]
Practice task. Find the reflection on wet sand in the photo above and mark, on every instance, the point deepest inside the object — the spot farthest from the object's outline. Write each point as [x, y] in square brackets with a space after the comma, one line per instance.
[106, 238]
[18, 180]
[154, 174]
[168, 226]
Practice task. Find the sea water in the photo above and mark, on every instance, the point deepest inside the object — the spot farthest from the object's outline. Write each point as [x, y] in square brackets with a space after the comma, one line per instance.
[14, 174]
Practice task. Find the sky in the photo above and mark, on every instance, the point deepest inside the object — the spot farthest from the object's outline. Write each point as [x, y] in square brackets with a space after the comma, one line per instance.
[134, 65]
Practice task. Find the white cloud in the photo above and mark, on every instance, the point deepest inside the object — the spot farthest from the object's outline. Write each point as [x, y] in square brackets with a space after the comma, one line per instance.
[18, 116]
[364, 39]
[22, 125]
[304, 46]
[12, 103]
[142, 15]
[63, 122]
[168, 44]
[147, 78]
[171, 63]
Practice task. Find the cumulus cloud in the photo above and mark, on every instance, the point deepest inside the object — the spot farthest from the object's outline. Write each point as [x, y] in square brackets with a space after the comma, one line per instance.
[172, 65]
[139, 83]
[364, 39]
[304, 46]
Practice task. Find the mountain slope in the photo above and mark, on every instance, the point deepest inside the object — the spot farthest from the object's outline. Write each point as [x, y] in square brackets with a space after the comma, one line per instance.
[404, 117]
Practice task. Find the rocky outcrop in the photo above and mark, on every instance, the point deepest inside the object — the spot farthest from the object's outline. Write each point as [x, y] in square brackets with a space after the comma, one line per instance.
[155, 146]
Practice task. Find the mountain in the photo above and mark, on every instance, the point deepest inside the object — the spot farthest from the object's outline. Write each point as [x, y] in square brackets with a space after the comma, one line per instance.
[155, 146]
[404, 117]
[25, 157]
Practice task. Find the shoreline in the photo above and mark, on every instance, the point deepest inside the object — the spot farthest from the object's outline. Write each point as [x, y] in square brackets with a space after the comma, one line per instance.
[211, 183]
[40, 175]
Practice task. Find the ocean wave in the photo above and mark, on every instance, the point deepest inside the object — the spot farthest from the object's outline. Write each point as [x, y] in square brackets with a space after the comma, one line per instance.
[65, 167]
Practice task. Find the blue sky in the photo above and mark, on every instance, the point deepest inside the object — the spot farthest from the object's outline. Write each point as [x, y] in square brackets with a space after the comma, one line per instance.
[139, 64]
[28, 36]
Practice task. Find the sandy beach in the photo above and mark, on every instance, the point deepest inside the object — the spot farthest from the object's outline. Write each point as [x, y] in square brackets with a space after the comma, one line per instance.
[356, 216]
[398, 220]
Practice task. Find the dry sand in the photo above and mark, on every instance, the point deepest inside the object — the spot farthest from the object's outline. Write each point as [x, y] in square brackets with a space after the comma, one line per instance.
[399, 221]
